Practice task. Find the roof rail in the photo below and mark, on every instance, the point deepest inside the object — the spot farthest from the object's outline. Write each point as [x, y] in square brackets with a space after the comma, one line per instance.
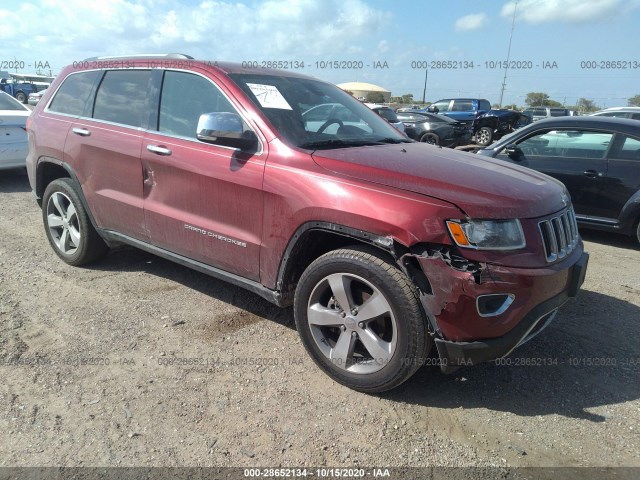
[142, 55]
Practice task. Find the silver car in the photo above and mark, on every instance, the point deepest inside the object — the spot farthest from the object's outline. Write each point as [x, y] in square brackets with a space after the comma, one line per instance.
[619, 112]
[35, 97]
[13, 135]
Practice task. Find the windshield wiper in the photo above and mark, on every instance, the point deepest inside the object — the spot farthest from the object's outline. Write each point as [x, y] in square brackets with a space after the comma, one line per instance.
[336, 143]
[392, 140]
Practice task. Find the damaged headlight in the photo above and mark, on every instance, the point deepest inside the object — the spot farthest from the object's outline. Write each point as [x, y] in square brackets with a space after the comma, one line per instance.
[487, 234]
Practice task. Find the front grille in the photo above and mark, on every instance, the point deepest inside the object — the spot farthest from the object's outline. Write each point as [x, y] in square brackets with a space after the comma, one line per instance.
[559, 235]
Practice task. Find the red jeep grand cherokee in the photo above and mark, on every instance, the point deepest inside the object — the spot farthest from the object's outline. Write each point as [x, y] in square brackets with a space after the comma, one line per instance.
[291, 188]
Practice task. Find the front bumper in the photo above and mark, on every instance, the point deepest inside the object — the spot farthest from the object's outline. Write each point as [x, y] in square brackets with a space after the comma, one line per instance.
[463, 337]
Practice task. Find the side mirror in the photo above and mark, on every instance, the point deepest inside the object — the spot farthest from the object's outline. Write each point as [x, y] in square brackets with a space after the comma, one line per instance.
[224, 128]
[513, 151]
[433, 109]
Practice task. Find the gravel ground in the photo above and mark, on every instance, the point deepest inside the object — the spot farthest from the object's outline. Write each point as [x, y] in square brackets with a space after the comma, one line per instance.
[136, 361]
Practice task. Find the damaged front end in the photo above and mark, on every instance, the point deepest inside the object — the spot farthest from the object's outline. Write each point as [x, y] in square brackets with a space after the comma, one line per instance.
[479, 311]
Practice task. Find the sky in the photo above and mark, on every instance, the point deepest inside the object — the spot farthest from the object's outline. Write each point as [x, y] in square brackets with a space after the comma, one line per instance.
[566, 48]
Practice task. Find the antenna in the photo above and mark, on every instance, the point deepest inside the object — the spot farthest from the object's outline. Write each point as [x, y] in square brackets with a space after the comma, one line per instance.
[506, 67]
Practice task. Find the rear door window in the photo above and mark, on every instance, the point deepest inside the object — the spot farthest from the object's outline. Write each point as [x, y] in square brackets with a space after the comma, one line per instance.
[462, 106]
[122, 97]
[630, 149]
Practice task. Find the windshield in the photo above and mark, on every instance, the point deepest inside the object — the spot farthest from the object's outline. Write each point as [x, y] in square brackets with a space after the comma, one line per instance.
[313, 115]
[8, 103]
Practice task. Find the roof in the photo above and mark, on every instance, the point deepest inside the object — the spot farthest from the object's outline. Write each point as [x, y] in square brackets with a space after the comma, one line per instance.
[362, 87]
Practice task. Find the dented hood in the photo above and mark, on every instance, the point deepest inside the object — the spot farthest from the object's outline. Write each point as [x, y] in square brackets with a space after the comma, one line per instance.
[481, 187]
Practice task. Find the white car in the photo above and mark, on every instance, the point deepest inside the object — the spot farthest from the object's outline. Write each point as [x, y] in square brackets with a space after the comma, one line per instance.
[620, 112]
[14, 146]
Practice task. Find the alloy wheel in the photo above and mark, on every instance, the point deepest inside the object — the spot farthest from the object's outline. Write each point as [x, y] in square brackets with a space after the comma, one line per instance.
[352, 323]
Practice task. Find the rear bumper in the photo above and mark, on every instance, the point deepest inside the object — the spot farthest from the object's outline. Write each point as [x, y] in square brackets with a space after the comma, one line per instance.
[463, 337]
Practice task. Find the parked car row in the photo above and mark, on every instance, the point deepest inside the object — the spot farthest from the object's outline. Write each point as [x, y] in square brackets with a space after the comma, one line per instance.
[483, 124]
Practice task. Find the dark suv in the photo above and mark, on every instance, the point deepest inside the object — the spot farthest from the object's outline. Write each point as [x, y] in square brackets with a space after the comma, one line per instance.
[384, 246]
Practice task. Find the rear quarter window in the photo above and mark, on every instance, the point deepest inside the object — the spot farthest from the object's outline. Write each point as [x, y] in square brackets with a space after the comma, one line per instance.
[74, 92]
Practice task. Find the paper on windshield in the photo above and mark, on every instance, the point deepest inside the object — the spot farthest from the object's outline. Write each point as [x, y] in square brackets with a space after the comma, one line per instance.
[269, 96]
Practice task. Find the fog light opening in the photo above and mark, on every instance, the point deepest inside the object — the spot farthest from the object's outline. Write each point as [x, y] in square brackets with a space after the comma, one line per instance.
[494, 304]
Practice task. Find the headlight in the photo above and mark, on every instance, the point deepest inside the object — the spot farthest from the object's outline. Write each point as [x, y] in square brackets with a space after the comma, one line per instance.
[487, 234]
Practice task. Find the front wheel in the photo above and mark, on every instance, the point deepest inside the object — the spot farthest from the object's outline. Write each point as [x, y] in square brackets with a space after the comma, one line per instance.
[430, 138]
[67, 225]
[484, 136]
[360, 319]
[21, 97]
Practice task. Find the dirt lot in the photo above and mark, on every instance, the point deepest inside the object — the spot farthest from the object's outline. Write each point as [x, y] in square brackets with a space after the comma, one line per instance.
[95, 372]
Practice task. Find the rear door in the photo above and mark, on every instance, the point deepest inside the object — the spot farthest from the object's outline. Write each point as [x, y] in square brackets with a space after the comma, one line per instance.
[202, 201]
[578, 158]
[104, 146]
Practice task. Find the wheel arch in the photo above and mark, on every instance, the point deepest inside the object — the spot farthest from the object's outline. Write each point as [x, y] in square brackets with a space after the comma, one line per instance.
[313, 239]
[490, 122]
[50, 169]
[630, 214]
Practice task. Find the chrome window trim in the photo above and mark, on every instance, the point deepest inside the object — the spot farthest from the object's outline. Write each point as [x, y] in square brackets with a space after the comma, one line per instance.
[258, 152]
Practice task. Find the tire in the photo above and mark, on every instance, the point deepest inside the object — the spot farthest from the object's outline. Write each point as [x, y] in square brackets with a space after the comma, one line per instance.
[430, 138]
[67, 225]
[21, 97]
[638, 233]
[484, 136]
[341, 341]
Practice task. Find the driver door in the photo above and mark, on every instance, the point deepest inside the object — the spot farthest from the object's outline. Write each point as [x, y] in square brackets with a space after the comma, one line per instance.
[578, 158]
[202, 201]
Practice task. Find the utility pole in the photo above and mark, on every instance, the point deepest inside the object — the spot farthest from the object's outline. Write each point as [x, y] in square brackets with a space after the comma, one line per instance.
[506, 67]
[424, 91]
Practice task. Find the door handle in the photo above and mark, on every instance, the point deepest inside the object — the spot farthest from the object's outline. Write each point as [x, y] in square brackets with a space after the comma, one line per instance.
[81, 131]
[159, 150]
[591, 174]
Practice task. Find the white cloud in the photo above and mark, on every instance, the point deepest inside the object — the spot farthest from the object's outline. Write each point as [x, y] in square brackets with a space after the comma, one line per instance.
[474, 21]
[567, 11]
[65, 31]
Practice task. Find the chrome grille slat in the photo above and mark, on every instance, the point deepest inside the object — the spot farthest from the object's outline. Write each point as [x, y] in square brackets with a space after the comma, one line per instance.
[559, 235]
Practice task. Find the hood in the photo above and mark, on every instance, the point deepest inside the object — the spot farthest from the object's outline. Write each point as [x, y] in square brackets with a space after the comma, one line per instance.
[481, 187]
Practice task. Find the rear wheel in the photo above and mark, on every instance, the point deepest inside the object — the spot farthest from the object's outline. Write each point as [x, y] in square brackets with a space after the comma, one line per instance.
[21, 97]
[360, 319]
[67, 225]
[430, 138]
[484, 136]
[638, 232]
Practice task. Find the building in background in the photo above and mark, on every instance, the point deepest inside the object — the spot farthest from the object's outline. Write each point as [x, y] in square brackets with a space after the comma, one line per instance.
[366, 91]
